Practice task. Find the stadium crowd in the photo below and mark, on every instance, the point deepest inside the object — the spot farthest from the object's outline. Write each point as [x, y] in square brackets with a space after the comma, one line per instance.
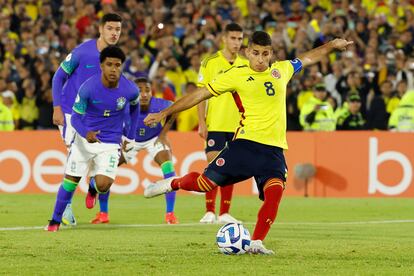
[361, 88]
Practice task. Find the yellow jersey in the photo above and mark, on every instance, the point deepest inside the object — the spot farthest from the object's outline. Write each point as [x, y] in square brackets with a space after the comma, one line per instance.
[222, 112]
[261, 96]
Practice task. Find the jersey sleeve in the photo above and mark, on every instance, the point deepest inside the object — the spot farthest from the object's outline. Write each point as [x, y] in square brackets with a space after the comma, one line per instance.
[81, 101]
[71, 62]
[222, 83]
[297, 65]
[288, 68]
[135, 97]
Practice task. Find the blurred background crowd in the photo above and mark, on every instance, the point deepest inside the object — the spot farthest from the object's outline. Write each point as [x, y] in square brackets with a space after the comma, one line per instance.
[367, 87]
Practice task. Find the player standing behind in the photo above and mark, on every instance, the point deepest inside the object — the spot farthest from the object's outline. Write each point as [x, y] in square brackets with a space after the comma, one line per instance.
[221, 118]
[78, 66]
[98, 118]
[257, 149]
[154, 141]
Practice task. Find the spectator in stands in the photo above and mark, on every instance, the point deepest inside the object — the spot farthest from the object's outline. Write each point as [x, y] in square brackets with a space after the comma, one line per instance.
[136, 66]
[332, 78]
[9, 100]
[402, 118]
[317, 114]
[350, 116]
[187, 120]
[29, 112]
[378, 113]
[6, 116]
[160, 87]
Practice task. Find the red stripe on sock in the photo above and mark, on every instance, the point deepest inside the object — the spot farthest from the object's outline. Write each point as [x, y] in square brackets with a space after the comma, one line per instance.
[267, 213]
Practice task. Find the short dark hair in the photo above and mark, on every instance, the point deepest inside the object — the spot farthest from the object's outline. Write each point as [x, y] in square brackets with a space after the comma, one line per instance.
[110, 17]
[233, 27]
[260, 38]
[142, 80]
[113, 52]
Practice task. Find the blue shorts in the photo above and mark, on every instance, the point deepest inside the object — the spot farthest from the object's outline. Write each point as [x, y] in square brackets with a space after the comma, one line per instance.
[216, 141]
[242, 159]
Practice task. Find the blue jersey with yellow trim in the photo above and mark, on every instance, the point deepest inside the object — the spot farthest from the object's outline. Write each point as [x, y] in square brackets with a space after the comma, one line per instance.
[103, 108]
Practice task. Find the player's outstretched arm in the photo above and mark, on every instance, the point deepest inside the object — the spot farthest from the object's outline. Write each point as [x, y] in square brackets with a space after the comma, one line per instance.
[162, 137]
[315, 55]
[202, 126]
[183, 103]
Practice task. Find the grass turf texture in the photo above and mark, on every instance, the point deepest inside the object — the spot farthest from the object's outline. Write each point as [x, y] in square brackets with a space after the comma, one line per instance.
[311, 236]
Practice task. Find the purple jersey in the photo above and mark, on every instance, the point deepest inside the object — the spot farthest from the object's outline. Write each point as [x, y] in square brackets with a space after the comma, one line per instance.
[103, 108]
[80, 65]
[145, 133]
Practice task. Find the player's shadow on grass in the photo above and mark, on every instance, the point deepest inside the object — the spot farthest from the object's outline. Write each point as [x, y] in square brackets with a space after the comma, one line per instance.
[330, 179]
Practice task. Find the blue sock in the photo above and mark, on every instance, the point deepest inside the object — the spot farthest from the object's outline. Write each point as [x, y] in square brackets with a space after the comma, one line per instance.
[63, 198]
[103, 202]
[103, 197]
[168, 171]
[92, 184]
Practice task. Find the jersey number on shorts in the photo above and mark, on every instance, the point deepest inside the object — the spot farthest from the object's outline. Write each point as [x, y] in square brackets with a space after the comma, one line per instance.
[107, 113]
[112, 162]
[270, 91]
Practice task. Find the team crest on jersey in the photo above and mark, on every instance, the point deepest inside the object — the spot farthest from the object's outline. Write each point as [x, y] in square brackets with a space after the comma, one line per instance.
[120, 103]
[275, 73]
[220, 162]
[211, 142]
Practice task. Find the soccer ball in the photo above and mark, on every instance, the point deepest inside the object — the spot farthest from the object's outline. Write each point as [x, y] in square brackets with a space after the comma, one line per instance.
[233, 239]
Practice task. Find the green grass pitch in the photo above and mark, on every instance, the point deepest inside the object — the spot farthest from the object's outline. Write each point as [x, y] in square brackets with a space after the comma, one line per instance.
[311, 236]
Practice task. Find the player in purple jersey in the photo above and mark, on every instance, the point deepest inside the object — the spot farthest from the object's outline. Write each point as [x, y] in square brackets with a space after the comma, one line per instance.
[154, 141]
[98, 117]
[78, 66]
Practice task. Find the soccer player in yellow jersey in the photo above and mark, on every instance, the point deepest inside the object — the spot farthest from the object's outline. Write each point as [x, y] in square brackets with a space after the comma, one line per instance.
[218, 122]
[257, 148]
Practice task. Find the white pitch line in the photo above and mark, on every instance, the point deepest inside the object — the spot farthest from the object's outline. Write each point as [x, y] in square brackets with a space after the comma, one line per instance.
[88, 226]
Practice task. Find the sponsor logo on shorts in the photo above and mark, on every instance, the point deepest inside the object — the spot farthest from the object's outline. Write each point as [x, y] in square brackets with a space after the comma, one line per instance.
[211, 142]
[220, 162]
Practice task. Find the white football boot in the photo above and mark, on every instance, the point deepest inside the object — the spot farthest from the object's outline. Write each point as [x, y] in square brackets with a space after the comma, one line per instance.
[208, 218]
[257, 247]
[158, 188]
[227, 218]
[68, 219]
